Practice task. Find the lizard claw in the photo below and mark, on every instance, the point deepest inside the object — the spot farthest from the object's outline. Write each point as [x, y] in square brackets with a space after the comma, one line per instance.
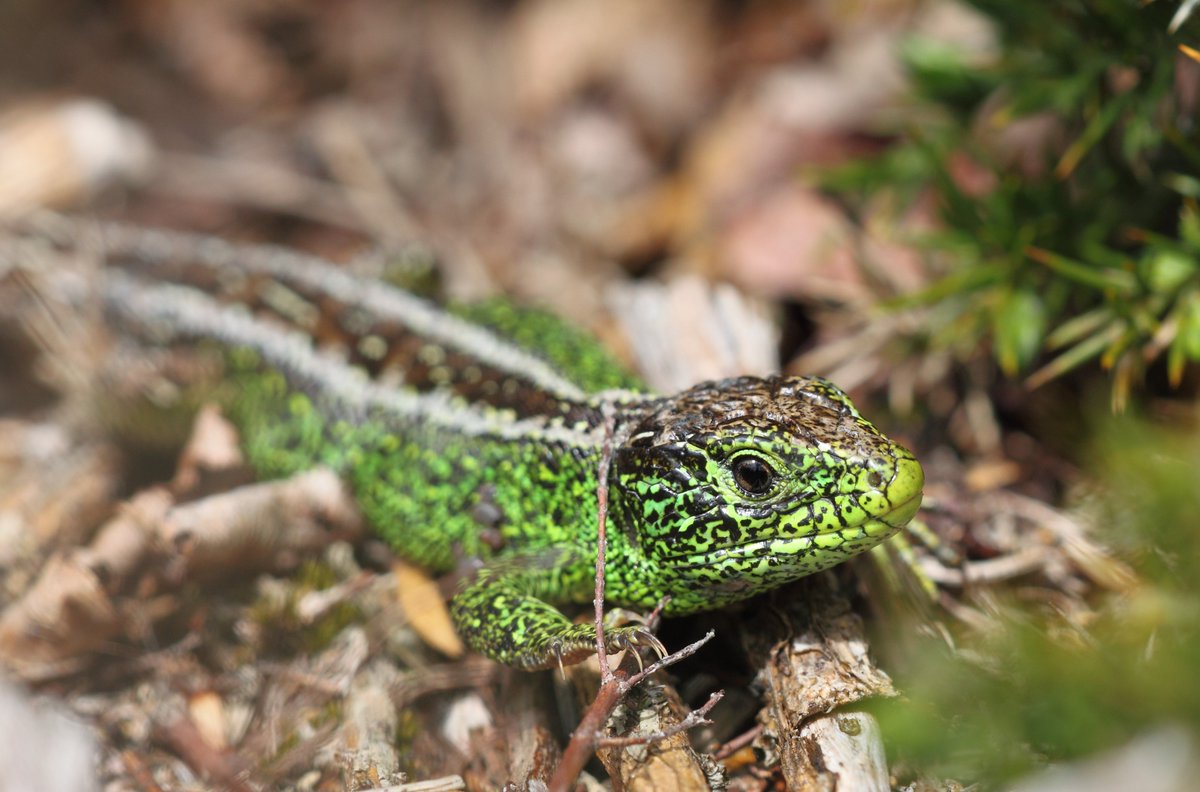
[634, 638]
[626, 629]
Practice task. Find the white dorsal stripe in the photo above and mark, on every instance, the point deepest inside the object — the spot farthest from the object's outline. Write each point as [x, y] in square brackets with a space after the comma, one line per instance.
[168, 312]
[321, 277]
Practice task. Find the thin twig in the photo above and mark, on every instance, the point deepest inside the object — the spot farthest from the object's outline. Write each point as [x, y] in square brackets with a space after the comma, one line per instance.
[738, 743]
[614, 685]
[583, 740]
[444, 784]
[606, 673]
[988, 571]
[582, 743]
[669, 660]
[588, 736]
[656, 615]
[697, 717]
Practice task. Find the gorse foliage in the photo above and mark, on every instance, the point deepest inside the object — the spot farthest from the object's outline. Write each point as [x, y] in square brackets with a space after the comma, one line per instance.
[1054, 691]
[1066, 172]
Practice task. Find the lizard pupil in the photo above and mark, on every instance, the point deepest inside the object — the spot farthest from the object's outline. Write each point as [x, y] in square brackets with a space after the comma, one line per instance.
[753, 475]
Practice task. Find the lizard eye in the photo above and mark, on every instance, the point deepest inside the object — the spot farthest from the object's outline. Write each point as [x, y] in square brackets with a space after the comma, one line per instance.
[754, 476]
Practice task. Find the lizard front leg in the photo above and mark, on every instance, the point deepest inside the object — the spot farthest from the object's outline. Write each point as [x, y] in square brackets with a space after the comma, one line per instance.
[505, 612]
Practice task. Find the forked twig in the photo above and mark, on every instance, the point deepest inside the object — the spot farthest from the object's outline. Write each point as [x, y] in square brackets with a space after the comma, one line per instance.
[697, 717]
[610, 419]
[614, 685]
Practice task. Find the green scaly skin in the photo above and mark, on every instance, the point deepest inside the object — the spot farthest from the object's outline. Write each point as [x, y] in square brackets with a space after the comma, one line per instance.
[460, 442]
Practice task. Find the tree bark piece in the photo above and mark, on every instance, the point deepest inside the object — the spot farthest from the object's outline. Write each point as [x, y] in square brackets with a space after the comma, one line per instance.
[812, 652]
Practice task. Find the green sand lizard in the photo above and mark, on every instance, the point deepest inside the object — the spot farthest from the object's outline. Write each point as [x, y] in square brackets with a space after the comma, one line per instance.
[477, 435]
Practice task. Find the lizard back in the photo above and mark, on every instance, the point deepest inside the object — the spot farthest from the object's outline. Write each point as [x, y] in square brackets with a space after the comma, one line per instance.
[458, 441]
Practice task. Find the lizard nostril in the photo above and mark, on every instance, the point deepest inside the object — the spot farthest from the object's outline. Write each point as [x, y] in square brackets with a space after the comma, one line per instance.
[875, 479]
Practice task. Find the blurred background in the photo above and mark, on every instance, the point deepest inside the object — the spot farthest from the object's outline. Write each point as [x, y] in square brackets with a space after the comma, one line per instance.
[980, 218]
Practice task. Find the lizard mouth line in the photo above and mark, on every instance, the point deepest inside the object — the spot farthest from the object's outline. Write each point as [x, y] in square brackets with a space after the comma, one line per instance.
[900, 514]
[879, 527]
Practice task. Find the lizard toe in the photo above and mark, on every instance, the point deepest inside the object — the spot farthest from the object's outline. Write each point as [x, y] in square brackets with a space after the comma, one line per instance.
[635, 638]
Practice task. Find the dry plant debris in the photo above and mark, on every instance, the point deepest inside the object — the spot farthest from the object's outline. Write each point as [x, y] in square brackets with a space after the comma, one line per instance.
[219, 632]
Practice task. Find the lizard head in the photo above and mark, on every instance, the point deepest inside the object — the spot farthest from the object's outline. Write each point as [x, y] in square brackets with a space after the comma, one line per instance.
[735, 487]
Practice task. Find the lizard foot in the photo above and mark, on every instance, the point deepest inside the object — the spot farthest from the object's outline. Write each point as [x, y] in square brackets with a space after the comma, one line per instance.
[633, 637]
[582, 644]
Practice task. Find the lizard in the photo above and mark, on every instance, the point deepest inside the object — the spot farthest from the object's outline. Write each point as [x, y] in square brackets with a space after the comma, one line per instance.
[479, 434]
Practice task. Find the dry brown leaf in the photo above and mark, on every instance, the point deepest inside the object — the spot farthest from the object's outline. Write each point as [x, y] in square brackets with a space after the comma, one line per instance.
[422, 601]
